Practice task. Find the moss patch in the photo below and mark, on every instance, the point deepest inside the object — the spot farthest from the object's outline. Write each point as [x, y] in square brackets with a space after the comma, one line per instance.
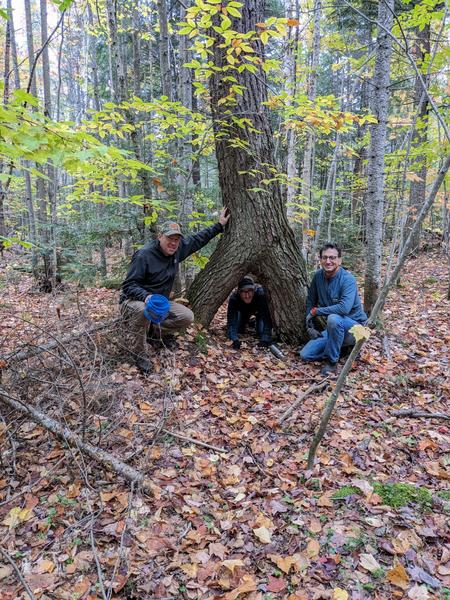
[402, 494]
[394, 494]
[345, 491]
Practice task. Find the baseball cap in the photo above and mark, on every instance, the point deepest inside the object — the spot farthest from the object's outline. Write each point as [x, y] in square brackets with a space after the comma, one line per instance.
[246, 283]
[170, 228]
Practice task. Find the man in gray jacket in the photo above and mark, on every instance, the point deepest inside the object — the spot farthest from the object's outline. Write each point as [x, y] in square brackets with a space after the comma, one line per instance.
[152, 271]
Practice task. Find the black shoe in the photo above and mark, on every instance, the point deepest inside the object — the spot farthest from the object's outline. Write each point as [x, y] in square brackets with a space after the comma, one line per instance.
[144, 365]
[328, 368]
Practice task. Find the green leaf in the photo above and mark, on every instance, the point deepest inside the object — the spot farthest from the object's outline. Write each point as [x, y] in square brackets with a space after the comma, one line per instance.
[233, 11]
[63, 4]
[24, 96]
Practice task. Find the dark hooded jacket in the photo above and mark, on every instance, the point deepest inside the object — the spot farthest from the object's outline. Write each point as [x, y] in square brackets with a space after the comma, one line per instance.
[152, 272]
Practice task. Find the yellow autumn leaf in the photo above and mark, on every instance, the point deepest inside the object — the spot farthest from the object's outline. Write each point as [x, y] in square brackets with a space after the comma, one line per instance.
[190, 569]
[45, 566]
[231, 564]
[312, 549]
[284, 563]
[340, 594]
[398, 577]
[247, 584]
[16, 516]
[263, 535]
[360, 332]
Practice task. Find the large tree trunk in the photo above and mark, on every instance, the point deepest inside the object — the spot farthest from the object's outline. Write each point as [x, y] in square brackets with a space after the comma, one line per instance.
[258, 238]
[378, 132]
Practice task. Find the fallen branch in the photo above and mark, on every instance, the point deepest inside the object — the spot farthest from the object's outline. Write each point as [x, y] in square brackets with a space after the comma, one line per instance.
[330, 403]
[101, 456]
[7, 557]
[313, 388]
[21, 356]
[412, 412]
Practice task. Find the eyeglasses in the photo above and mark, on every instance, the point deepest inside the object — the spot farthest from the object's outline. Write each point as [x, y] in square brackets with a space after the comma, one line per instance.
[332, 258]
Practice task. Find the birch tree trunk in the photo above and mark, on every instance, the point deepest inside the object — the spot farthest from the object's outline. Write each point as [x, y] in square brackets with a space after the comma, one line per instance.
[378, 135]
[417, 192]
[50, 275]
[308, 158]
[6, 69]
[258, 237]
[40, 226]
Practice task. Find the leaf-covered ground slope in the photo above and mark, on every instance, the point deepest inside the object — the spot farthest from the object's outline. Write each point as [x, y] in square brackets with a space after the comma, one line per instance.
[241, 518]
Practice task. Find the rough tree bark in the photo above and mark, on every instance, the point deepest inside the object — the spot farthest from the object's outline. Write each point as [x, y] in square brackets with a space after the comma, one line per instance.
[258, 238]
[378, 132]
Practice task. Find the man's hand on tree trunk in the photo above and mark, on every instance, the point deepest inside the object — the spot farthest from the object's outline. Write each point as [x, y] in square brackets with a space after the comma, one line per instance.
[224, 216]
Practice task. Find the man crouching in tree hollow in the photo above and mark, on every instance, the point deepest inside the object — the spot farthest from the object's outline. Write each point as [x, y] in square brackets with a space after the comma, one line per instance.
[249, 299]
[152, 272]
[333, 295]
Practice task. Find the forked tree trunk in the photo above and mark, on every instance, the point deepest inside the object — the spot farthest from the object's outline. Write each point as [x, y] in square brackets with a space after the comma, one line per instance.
[258, 238]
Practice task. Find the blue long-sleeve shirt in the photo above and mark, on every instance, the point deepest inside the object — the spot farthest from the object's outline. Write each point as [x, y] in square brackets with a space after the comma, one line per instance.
[337, 295]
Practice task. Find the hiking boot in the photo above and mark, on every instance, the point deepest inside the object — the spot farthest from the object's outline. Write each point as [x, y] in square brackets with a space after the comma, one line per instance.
[144, 365]
[328, 368]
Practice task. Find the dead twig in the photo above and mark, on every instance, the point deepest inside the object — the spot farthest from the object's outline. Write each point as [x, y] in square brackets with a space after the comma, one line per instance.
[192, 440]
[313, 388]
[7, 557]
[122, 540]
[97, 562]
[291, 380]
[101, 456]
[180, 436]
[412, 412]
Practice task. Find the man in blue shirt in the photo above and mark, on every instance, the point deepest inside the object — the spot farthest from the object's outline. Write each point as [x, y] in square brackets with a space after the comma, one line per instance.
[333, 294]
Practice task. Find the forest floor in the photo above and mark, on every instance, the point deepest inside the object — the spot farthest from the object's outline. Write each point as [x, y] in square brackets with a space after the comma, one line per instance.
[243, 520]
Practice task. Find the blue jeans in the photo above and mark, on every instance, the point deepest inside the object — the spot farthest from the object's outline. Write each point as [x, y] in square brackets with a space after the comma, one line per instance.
[328, 346]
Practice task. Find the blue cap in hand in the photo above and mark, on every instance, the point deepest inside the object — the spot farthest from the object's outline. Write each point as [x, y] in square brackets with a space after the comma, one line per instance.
[157, 308]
